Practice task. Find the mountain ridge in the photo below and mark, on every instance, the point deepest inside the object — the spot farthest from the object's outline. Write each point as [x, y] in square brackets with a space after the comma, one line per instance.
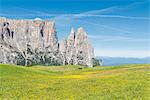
[29, 42]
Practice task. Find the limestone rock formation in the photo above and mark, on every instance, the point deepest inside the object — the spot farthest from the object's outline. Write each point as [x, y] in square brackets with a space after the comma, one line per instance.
[77, 49]
[84, 49]
[29, 42]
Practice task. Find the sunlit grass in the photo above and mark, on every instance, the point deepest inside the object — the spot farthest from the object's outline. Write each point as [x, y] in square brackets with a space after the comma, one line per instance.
[126, 82]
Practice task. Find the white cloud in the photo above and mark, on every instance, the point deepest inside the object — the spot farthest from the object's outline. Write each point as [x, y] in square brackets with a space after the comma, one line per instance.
[101, 13]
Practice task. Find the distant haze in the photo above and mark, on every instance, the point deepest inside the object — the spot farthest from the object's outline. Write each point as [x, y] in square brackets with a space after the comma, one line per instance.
[112, 61]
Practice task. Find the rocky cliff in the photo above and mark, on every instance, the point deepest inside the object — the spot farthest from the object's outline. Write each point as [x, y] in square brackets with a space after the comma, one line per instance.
[29, 42]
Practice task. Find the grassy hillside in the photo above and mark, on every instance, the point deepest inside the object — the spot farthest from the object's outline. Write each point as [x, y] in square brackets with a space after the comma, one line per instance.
[127, 82]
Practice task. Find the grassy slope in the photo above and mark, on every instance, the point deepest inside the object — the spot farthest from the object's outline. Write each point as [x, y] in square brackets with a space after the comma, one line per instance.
[125, 82]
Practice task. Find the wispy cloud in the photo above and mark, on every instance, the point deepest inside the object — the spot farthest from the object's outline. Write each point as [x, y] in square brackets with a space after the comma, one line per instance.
[99, 13]
[102, 13]
[119, 31]
[112, 16]
[117, 38]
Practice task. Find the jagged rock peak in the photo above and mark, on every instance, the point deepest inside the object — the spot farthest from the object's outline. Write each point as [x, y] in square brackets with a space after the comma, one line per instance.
[81, 33]
[72, 30]
[81, 30]
[28, 42]
[72, 34]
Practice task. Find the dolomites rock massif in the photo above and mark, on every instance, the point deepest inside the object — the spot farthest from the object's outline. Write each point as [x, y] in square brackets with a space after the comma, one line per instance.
[30, 42]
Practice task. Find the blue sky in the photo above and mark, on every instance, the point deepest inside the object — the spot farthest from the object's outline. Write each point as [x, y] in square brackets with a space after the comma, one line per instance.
[115, 27]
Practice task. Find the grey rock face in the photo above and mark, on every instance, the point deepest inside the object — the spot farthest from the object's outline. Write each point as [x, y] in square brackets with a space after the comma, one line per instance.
[70, 51]
[77, 49]
[84, 50]
[29, 42]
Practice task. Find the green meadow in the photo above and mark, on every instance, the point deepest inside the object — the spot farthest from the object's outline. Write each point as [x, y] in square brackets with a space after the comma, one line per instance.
[125, 82]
